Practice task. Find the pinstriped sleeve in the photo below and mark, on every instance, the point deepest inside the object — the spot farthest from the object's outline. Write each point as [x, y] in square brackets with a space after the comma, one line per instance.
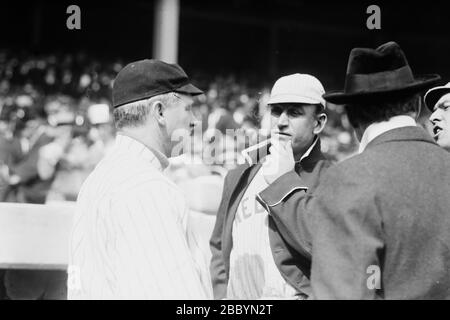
[200, 259]
[181, 209]
[145, 247]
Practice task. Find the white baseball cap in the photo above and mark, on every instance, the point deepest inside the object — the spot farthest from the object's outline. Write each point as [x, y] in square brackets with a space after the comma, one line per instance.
[435, 94]
[297, 88]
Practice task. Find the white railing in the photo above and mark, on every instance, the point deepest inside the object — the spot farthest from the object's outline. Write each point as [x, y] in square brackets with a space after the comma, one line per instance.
[34, 236]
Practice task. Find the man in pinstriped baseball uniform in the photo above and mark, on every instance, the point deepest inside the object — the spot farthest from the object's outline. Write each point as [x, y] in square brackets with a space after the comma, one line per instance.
[130, 239]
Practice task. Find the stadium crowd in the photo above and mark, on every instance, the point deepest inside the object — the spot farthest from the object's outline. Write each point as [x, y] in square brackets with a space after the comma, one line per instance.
[56, 124]
[57, 128]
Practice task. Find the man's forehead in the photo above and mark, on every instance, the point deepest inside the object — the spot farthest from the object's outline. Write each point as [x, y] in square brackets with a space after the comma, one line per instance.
[443, 101]
[184, 97]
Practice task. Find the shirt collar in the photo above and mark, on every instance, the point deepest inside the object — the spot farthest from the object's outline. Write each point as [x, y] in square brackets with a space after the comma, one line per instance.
[306, 154]
[378, 128]
[133, 146]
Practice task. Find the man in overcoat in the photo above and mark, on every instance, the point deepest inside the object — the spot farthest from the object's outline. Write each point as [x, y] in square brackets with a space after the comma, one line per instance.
[378, 223]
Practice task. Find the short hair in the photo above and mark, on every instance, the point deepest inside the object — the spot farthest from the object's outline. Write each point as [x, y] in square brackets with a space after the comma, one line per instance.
[320, 108]
[134, 114]
[381, 109]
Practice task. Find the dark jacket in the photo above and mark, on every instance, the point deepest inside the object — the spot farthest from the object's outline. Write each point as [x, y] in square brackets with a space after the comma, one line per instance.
[293, 266]
[32, 187]
[10, 153]
[384, 212]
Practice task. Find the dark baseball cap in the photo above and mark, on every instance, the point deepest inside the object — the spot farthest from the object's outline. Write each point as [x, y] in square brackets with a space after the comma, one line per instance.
[150, 77]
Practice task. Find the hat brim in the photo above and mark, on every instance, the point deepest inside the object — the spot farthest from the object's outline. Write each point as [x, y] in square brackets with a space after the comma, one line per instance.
[433, 96]
[289, 98]
[189, 89]
[420, 84]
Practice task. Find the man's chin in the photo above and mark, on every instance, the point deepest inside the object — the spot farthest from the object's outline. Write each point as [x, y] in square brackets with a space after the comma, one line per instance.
[442, 141]
[444, 145]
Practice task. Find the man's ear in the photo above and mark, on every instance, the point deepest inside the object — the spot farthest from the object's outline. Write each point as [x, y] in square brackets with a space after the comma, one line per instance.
[157, 110]
[321, 120]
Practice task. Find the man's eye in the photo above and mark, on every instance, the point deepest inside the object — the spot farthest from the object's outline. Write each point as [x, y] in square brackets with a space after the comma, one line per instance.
[276, 111]
[295, 112]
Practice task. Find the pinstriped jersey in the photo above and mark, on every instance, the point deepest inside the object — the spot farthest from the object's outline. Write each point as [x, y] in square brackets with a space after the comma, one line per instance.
[130, 237]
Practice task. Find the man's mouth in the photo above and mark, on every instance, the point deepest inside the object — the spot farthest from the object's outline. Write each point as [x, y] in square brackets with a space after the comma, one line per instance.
[283, 134]
[436, 131]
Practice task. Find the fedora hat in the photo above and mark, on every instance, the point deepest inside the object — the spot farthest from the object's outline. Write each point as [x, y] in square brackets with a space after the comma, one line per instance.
[373, 73]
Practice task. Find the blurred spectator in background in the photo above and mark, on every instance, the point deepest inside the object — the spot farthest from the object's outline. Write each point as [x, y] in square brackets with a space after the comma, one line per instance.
[30, 134]
[82, 154]
[59, 159]
[101, 132]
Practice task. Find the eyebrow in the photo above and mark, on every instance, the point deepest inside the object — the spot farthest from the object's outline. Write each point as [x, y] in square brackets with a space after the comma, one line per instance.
[289, 106]
[442, 104]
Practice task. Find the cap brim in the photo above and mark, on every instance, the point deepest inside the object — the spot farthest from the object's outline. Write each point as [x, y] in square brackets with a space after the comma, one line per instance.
[420, 84]
[189, 89]
[433, 96]
[288, 98]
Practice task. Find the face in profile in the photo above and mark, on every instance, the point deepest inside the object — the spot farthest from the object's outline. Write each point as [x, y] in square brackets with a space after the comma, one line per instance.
[297, 123]
[179, 118]
[440, 119]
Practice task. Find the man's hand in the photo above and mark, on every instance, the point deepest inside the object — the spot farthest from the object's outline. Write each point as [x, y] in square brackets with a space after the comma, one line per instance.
[279, 161]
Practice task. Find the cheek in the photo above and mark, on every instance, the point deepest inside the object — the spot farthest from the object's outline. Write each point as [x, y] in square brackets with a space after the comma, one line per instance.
[181, 120]
[302, 128]
[184, 119]
[446, 117]
[273, 121]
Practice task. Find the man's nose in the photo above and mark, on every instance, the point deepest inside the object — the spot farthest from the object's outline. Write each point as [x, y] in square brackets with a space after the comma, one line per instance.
[283, 120]
[436, 116]
[193, 120]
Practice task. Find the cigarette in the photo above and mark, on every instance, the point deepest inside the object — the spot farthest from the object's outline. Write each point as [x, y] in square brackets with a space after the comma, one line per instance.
[257, 146]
